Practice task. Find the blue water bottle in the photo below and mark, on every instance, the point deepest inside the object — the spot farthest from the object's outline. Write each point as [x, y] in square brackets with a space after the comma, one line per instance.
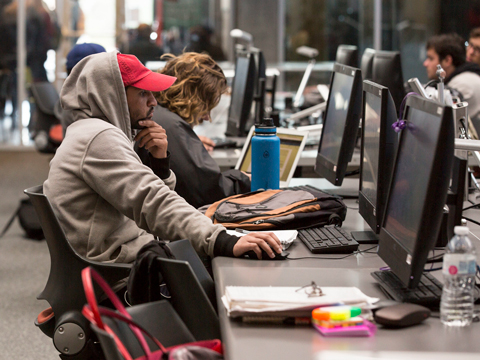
[265, 157]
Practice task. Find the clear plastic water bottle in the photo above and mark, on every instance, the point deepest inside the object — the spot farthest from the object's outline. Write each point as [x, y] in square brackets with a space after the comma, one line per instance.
[459, 267]
[265, 157]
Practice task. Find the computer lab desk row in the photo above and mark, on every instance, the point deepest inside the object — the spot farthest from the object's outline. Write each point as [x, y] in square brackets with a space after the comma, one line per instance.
[229, 157]
[428, 340]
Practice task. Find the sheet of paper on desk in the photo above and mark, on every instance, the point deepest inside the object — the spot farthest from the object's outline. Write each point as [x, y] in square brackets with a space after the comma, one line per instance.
[284, 300]
[286, 237]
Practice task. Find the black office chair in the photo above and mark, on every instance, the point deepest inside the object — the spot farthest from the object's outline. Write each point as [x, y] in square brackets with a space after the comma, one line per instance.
[158, 318]
[183, 250]
[64, 322]
[189, 299]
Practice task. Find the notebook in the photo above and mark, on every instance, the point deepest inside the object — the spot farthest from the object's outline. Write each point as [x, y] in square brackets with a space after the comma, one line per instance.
[287, 301]
[292, 143]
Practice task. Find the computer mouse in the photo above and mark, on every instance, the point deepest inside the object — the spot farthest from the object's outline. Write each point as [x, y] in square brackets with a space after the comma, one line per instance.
[282, 256]
[382, 304]
[401, 315]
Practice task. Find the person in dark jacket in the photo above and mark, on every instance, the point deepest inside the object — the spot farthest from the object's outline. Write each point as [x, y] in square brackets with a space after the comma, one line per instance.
[143, 47]
[201, 42]
[200, 83]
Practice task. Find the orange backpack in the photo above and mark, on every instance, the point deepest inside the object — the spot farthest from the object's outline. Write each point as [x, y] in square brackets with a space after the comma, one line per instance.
[278, 209]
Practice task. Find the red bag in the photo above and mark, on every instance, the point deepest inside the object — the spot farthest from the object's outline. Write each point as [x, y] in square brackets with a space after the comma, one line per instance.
[208, 349]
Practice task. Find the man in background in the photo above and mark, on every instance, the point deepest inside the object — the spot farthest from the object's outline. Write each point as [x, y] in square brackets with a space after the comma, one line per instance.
[448, 50]
[143, 47]
[473, 46]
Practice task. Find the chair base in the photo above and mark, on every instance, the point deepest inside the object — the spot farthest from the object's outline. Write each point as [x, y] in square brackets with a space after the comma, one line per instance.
[91, 351]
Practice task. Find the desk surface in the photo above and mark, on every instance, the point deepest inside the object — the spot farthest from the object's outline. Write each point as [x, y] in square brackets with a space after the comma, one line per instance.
[242, 341]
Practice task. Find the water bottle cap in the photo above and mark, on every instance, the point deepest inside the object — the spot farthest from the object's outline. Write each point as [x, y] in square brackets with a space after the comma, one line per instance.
[267, 122]
[460, 230]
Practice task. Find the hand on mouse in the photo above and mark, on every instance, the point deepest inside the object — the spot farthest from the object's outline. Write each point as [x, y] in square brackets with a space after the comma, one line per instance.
[256, 242]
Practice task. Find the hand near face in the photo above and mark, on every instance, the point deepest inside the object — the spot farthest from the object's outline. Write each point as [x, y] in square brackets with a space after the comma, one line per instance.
[153, 137]
[256, 242]
[207, 142]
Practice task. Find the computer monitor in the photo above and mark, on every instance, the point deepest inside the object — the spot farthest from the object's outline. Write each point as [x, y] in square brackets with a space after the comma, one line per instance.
[292, 142]
[260, 85]
[387, 71]
[347, 55]
[366, 64]
[242, 95]
[379, 143]
[340, 124]
[418, 189]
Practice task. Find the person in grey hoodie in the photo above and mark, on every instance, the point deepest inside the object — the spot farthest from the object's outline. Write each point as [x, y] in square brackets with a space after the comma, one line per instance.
[108, 203]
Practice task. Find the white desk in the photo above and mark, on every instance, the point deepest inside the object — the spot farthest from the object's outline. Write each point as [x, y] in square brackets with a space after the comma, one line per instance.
[429, 340]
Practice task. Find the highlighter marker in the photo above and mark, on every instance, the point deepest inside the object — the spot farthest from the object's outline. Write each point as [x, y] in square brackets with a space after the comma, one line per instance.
[337, 313]
[331, 324]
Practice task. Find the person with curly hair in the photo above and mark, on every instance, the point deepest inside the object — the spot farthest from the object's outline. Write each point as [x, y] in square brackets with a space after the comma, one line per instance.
[188, 102]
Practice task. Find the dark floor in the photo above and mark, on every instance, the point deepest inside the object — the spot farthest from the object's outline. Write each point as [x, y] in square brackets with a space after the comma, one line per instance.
[24, 264]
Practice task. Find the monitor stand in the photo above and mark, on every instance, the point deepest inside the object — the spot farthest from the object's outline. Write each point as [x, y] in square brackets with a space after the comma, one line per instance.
[365, 237]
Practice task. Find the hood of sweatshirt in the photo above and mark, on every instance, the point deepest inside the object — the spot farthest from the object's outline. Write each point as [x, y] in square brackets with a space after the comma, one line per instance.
[94, 89]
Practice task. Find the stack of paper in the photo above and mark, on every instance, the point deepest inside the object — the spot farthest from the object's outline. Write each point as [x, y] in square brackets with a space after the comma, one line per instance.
[287, 301]
[286, 237]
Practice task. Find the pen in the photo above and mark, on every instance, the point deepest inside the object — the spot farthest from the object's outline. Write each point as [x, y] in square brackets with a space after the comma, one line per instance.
[335, 313]
[285, 320]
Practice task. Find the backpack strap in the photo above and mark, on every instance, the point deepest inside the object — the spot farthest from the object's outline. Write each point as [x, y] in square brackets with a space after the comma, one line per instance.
[212, 208]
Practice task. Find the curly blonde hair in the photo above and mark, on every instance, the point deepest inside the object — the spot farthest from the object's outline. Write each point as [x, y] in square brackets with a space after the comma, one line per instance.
[197, 90]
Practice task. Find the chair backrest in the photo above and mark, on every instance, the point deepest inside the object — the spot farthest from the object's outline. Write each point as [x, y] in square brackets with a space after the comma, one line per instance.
[183, 250]
[64, 289]
[158, 318]
[45, 95]
[189, 299]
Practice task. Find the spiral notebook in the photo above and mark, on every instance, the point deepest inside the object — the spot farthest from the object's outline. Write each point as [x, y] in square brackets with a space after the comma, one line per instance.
[287, 300]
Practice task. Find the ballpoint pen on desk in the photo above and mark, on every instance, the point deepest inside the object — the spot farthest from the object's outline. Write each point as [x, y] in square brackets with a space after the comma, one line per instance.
[282, 320]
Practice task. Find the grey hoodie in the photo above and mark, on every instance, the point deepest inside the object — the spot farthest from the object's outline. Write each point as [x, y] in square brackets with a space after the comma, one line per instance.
[107, 202]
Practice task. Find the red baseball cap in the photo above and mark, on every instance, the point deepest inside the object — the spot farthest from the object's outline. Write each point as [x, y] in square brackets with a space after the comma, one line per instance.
[134, 73]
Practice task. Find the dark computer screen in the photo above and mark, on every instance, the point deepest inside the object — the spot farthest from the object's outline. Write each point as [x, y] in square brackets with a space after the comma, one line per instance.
[418, 189]
[371, 145]
[387, 71]
[347, 55]
[366, 64]
[242, 95]
[340, 124]
[379, 142]
[260, 85]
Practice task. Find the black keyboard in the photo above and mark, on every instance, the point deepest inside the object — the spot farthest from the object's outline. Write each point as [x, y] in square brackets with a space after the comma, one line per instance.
[427, 293]
[329, 239]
